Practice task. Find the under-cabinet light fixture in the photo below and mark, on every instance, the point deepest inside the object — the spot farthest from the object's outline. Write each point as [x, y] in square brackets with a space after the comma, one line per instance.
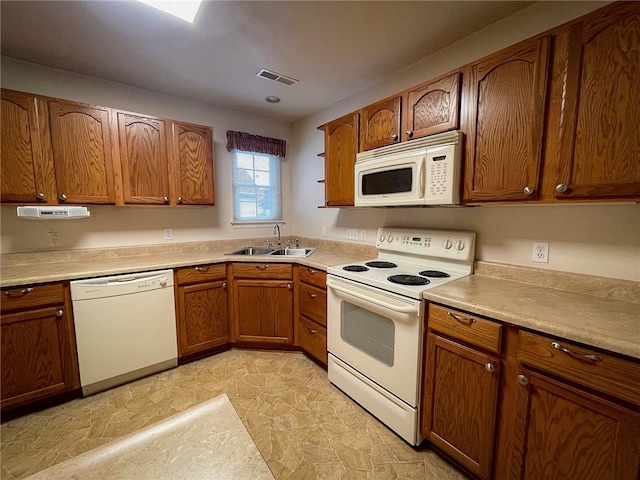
[183, 9]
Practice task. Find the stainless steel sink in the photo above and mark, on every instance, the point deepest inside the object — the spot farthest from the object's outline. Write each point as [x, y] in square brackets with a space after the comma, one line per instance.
[273, 251]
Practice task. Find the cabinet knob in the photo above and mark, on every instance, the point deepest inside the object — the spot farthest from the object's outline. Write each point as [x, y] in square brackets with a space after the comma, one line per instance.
[409, 133]
[62, 197]
[180, 200]
[528, 191]
[289, 287]
[561, 188]
[40, 196]
[59, 313]
[490, 367]
[165, 199]
[312, 295]
[224, 284]
[394, 137]
[522, 380]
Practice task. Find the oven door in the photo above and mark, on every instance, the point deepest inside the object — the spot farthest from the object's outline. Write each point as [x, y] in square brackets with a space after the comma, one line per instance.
[397, 179]
[378, 334]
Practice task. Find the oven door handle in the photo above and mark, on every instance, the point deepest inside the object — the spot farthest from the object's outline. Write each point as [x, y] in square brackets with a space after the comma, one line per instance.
[395, 308]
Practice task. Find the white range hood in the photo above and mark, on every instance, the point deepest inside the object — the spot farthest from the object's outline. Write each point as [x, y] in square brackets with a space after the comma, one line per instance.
[52, 212]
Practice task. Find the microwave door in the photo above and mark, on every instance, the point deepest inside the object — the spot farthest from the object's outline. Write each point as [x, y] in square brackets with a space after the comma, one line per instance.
[385, 183]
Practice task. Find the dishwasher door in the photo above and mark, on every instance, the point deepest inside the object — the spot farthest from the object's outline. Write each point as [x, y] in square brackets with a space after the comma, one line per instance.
[125, 328]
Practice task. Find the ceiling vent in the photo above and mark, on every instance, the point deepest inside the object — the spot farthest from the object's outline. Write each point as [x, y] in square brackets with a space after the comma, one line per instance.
[269, 75]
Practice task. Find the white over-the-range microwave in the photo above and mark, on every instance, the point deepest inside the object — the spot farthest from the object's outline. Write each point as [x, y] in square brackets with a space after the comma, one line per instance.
[418, 172]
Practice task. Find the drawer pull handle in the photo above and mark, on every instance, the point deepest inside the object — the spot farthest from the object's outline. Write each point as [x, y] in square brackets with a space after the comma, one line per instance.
[591, 357]
[312, 331]
[202, 269]
[18, 293]
[59, 313]
[465, 320]
[490, 367]
[312, 295]
[262, 267]
[522, 380]
[312, 271]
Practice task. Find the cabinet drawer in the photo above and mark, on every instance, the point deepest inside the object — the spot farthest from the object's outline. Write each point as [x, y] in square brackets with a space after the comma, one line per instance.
[262, 270]
[201, 273]
[313, 339]
[30, 297]
[313, 303]
[609, 374]
[468, 328]
[313, 276]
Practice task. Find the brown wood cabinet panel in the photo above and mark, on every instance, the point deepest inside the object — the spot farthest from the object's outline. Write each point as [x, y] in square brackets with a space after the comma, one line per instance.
[264, 311]
[432, 107]
[380, 123]
[313, 339]
[262, 270]
[603, 372]
[506, 110]
[600, 138]
[313, 276]
[203, 318]
[192, 165]
[81, 151]
[563, 432]
[23, 176]
[201, 273]
[468, 328]
[341, 147]
[460, 397]
[144, 160]
[313, 303]
[29, 297]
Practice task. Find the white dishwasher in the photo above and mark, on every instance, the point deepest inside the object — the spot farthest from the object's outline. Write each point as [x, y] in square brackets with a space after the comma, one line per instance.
[125, 328]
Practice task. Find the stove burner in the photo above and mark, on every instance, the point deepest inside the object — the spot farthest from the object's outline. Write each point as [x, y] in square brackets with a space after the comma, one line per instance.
[408, 280]
[378, 264]
[355, 268]
[434, 274]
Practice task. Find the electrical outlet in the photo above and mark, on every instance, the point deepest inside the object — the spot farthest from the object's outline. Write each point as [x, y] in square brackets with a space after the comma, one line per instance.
[54, 239]
[352, 234]
[363, 235]
[540, 252]
[324, 231]
[168, 234]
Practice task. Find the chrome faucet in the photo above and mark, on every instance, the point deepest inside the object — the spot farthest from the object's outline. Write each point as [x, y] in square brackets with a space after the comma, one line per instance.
[276, 228]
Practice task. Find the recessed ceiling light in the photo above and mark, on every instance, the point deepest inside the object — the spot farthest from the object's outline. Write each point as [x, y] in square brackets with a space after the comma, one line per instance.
[272, 99]
[184, 9]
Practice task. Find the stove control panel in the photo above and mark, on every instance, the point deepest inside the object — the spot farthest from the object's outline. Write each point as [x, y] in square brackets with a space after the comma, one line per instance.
[449, 244]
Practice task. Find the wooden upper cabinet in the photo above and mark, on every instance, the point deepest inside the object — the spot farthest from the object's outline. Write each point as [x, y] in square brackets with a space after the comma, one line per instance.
[432, 107]
[79, 144]
[506, 110]
[144, 159]
[21, 162]
[599, 152]
[341, 147]
[380, 123]
[192, 170]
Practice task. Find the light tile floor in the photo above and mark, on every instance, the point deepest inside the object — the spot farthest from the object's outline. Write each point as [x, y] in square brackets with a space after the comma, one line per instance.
[304, 427]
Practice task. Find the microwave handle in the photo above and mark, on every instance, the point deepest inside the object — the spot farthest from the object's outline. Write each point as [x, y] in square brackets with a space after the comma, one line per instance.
[422, 176]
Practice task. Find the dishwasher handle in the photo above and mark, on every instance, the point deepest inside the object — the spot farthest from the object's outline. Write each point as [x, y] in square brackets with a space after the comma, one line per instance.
[120, 285]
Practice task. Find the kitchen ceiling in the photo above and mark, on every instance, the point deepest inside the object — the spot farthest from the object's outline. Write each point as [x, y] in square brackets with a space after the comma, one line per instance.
[334, 49]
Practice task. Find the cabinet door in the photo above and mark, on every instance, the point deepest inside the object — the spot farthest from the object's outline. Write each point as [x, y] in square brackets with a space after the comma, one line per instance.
[192, 165]
[460, 395]
[203, 321]
[341, 147]
[81, 151]
[600, 140]
[562, 432]
[143, 155]
[264, 311]
[433, 107]
[380, 124]
[506, 111]
[38, 355]
[21, 161]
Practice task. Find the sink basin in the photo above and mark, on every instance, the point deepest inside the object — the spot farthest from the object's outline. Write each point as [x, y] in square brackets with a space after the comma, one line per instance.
[295, 252]
[272, 251]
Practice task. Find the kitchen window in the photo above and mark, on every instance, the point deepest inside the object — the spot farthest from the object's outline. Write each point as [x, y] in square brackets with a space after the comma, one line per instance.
[256, 187]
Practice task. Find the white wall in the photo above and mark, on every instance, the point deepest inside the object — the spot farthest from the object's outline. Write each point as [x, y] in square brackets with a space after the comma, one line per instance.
[591, 239]
[111, 226]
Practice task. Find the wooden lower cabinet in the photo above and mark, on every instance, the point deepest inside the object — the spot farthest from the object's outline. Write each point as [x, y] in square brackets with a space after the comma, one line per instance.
[262, 303]
[311, 312]
[38, 349]
[202, 308]
[460, 397]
